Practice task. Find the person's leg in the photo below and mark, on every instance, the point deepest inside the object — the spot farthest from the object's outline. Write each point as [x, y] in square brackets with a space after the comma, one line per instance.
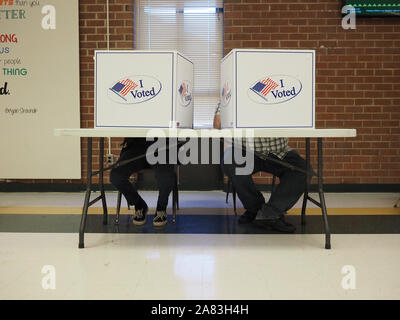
[291, 185]
[251, 198]
[119, 177]
[165, 180]
[165, 176]
[290, 188]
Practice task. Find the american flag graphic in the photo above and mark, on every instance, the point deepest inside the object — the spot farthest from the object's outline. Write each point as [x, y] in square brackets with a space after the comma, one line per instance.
[182, 89]
[225, 90]
[123, 87]
[264, 87]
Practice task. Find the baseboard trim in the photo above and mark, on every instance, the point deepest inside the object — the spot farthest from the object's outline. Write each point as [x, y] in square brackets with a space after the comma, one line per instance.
[71, 187]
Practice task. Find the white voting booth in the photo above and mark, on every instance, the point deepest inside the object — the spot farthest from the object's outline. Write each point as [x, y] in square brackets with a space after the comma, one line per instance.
[268, 89]
[146, 89]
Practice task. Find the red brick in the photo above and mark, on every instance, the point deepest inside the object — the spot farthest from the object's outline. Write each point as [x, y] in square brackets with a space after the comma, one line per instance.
[357, 83]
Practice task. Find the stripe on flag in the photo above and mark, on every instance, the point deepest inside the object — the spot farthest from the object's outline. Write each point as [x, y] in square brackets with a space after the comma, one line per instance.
[182, 89]
[129, 86]
[269, 85]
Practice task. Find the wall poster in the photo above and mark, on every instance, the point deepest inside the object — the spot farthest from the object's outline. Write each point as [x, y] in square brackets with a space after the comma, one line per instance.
[39, 89]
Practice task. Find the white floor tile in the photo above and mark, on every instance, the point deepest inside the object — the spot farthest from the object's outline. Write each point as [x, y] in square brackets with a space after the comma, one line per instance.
[185, 266]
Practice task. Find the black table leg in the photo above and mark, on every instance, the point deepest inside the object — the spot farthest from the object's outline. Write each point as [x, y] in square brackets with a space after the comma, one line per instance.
[305, 198]
[87, 195]
[101, 182]
[322, 197]
[175, 205]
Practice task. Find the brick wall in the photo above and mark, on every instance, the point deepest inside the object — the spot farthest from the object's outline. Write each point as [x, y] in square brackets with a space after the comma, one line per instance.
[357, 79]
[358, 75]
[93, 36]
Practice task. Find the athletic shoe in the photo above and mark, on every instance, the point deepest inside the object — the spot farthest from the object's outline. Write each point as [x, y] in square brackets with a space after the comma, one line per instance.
[139, 218]
[267, 213]
[281, 225]
[160, 219]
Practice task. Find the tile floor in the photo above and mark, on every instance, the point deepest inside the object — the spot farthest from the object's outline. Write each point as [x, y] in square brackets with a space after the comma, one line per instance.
[143, 266]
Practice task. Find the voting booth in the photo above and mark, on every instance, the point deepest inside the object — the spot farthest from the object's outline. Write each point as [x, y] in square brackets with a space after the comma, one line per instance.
[268, 89]
[143, 89]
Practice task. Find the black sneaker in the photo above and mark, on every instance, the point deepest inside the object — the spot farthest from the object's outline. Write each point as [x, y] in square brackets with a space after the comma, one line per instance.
[160, 219]
[139, 218]
[282, 226]
[267, 213]
[247, 217]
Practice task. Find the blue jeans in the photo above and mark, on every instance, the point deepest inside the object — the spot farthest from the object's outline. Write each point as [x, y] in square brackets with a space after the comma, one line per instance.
[119, 177]
[291, 185]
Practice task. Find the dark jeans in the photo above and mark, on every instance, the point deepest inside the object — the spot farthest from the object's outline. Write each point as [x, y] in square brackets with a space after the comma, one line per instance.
[291, 185]
[119, 177]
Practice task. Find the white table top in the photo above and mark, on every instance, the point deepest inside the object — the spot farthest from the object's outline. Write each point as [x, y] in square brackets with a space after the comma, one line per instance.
[206, 133]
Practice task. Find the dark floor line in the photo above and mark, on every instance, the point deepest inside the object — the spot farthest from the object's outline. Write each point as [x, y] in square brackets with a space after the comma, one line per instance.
[198, 224]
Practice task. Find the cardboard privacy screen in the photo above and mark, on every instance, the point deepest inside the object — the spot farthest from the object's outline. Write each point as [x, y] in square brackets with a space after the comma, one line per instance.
[151, 89]
[268, 89]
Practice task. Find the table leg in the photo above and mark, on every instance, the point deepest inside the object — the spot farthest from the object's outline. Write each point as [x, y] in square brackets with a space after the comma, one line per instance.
[173, 211]
[234, 199]
[322, 197]
[101, 182]
[175, 198]
[305, 198]
[87, 195]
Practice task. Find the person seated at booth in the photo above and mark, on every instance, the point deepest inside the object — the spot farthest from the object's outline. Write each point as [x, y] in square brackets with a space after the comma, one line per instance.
[119, 177]
[287, 192]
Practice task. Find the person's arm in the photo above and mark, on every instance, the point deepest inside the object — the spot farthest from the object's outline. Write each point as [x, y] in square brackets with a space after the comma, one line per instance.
[217, 125]
[217, 118]
[217, 121]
